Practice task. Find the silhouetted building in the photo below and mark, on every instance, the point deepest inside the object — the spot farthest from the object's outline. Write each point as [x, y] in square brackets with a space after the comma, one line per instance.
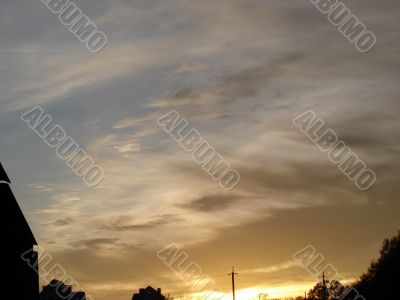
[148, 294]
[57, 290]
[21, 276]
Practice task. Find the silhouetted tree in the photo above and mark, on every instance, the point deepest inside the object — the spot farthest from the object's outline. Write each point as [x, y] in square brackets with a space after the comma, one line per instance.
[262, 296]
[382, 277]
[334, 290]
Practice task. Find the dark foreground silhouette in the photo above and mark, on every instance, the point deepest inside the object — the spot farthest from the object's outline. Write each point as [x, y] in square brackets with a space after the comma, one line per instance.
[148, 294]
[22, 277]
[57, 290]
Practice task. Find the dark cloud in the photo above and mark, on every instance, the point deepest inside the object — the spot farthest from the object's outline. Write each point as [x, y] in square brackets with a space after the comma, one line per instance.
[127, 223]
[233, 85]
[61, 222]
[210, 203]
[95, 243]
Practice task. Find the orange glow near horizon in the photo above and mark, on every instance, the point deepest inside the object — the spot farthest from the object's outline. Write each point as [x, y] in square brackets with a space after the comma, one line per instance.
[282, 291]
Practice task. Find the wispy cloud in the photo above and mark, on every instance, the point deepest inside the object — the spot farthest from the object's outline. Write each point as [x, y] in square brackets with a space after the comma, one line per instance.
[240, 71]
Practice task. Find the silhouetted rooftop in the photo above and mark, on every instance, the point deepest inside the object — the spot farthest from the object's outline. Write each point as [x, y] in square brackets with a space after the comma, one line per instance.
[17, 231]
[3, 175]
[148, 293]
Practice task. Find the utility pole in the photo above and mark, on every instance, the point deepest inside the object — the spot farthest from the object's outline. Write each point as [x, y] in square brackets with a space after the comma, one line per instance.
[325, 290]
[233, 282]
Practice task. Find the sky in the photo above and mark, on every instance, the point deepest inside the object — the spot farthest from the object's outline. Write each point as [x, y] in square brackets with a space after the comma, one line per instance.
[239, 72]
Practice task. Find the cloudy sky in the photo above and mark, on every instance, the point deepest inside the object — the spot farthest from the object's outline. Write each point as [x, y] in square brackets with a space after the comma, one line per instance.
[239, 72]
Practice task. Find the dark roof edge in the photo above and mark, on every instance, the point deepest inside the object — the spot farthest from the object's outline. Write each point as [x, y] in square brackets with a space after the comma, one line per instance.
[3, 175]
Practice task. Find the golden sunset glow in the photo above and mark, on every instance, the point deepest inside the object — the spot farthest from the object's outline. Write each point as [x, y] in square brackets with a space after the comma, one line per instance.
[169, 141]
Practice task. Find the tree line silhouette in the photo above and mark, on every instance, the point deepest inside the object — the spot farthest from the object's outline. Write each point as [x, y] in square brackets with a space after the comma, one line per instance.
[377, 283]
